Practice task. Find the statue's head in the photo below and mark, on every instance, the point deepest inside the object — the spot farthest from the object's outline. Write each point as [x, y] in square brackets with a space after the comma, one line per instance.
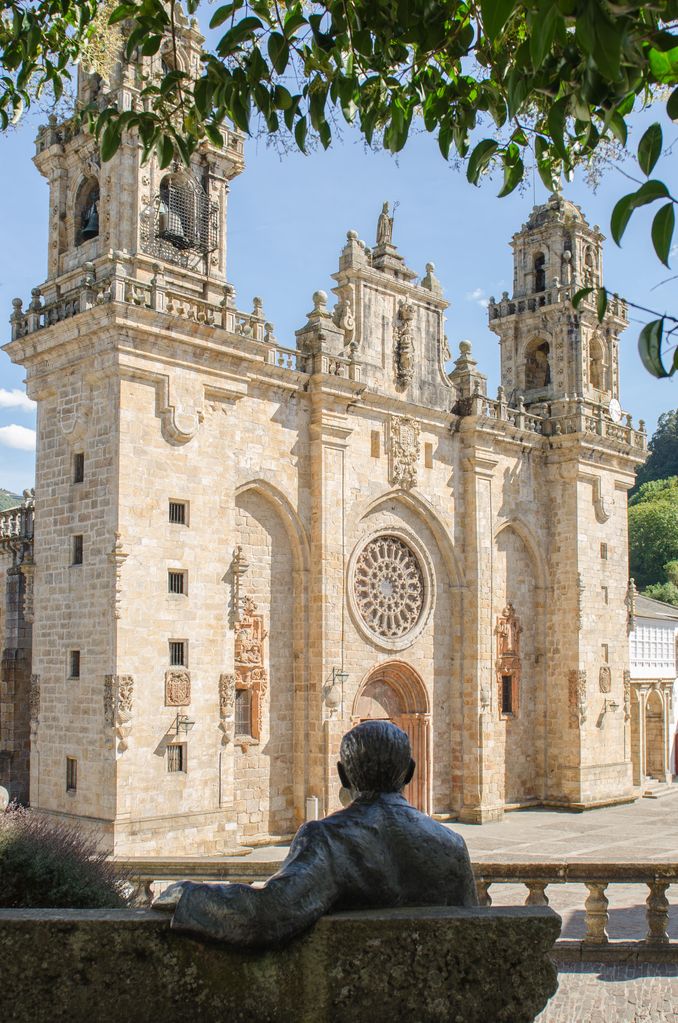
[375, 757]
[384, 208]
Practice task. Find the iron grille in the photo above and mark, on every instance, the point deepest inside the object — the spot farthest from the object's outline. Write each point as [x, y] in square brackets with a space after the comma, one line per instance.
[185, 218]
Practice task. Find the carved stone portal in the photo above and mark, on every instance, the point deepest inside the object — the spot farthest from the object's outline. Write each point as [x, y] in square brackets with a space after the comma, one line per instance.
[388, 587]
[177, 687]
[404, 451]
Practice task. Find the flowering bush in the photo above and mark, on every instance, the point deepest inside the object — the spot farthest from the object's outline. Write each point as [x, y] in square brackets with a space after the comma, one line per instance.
[50, 863]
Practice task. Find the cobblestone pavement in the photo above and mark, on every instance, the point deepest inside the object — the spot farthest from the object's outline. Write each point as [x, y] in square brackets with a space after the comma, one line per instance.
[601, 993]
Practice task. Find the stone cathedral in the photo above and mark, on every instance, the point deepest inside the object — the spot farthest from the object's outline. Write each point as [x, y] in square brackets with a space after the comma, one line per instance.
[242, 548]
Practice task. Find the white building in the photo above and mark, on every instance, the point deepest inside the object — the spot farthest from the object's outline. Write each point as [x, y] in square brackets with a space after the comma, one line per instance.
[653, 643]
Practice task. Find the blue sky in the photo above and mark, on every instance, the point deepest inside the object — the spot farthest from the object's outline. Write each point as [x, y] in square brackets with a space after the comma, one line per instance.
[287, 221]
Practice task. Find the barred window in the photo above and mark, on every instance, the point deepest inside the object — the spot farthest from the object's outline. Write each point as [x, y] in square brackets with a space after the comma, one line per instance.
[74, 664]
[176, 581]
[177, 653]
[71, 774]
[177, 512]
[77, 549]
[243, 712]
[176, 757]
[79, 467]
[507, 694]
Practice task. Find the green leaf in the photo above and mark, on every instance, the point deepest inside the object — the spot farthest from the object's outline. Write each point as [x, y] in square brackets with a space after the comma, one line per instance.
[664, 65]
[649, 148]
[650, 191]
[617, 125]
[165, 150]
[542, 34]
[495, 15]
[222, 14]
[662, 231]
[672, 105]
[650, 348]
[479, 159]
[110, 140]
[601, 303]
[513, 175]
[278, 51]
[214, 135]
[579, 296]
[300, 130]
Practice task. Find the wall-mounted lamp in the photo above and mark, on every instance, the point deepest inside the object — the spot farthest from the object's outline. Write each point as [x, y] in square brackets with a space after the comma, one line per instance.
[182, 723]
[334, 697]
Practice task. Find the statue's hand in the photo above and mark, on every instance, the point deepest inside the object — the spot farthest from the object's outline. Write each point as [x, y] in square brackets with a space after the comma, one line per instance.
[167, 901]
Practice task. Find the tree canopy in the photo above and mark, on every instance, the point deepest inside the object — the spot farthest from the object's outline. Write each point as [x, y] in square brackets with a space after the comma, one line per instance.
[500, 83]
[653, 538]
[663, 459]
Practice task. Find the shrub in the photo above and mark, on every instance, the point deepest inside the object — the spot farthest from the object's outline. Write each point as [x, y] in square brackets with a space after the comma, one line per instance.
[49, 863]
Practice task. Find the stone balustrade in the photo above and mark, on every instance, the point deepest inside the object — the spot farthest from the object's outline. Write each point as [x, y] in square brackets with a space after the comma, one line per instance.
[429, 965]
[16, 525]
[653, 878]
[551, 296]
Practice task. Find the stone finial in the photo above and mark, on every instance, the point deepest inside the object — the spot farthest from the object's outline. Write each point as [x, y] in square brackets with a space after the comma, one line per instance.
[465, 360]
[352, 236]
[430, 281]
[258, 309]
[35, 299]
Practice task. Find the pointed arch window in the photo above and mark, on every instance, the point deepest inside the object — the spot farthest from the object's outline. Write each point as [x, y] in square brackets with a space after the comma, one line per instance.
[86, 213]
[597, 364]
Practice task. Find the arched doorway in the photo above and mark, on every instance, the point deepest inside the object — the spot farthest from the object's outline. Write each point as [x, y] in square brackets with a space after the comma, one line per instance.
[395, 692]
[654, 736]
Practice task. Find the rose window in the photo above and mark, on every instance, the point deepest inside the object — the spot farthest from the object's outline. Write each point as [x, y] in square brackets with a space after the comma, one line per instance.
[388, 587]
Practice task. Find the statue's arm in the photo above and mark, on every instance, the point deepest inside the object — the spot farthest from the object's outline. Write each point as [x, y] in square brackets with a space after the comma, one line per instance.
[469, 892]
[293, 899]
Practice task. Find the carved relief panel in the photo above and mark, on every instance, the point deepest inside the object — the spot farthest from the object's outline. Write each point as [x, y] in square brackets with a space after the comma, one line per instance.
[404, 451]
[251, 677]
[507, 631]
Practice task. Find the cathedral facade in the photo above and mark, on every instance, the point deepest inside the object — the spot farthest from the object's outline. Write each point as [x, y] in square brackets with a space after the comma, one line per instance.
[241, 548]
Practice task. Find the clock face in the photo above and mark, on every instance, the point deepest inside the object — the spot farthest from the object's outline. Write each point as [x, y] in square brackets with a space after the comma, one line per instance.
[615, 411]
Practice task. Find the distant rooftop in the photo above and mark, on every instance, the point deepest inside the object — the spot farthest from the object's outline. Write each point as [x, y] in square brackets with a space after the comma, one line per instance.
[648, 607]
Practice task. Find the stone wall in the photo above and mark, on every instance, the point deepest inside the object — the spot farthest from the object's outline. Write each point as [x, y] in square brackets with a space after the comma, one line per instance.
[431, 965]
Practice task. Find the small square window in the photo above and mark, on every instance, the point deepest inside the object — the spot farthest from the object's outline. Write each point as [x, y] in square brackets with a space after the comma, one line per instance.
[74, 664]
[507, 694]
[71, 774]
[176, 757]
[177, 653]
[79, 467]
[178, 513]
[243, 712]
[428, 455]
[176, 581]
[605, 653]
[77, 549]
[375, 444]
[603, 551]
[606, 595]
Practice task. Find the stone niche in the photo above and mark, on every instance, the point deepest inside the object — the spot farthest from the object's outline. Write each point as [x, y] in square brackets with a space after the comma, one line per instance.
[431, 965]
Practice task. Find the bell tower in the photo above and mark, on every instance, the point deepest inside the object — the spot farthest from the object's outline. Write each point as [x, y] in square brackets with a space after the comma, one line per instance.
[549, 351]
[128, 217]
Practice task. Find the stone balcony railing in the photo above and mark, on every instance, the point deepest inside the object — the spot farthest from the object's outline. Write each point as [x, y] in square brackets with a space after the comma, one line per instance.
[16, 528]
[155, 295]
[148, 876]
[557, 294]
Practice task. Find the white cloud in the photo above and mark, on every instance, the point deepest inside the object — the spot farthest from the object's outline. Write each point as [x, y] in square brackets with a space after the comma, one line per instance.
[19, 437]
[16, 399]
[479, 296]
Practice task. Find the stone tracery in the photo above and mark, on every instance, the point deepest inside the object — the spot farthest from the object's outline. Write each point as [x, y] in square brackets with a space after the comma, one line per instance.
[388, 587]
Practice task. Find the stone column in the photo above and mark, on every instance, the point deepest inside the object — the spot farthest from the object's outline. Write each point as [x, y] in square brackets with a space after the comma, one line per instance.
[482, 782]
[642, 737]
[329, 433]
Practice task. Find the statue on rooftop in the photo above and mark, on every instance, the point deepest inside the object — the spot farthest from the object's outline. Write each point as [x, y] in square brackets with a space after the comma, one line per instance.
[377, 852]
[384, 227]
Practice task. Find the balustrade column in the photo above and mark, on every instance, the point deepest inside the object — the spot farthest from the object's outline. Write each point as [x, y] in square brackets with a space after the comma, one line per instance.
[657, 913]
[536, 893]
[484, 897]
[596, 913]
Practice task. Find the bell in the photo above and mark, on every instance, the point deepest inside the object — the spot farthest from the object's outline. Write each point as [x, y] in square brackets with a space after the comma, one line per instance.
[170, 227]
[90, 228]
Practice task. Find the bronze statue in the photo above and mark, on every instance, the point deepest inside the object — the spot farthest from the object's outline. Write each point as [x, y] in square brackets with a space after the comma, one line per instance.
[378, 852]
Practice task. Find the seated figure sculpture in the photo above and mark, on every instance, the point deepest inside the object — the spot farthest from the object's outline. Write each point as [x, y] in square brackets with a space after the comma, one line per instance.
[377, 852]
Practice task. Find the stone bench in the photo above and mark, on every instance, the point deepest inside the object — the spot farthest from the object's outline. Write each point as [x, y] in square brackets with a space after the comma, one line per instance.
[428, 965]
